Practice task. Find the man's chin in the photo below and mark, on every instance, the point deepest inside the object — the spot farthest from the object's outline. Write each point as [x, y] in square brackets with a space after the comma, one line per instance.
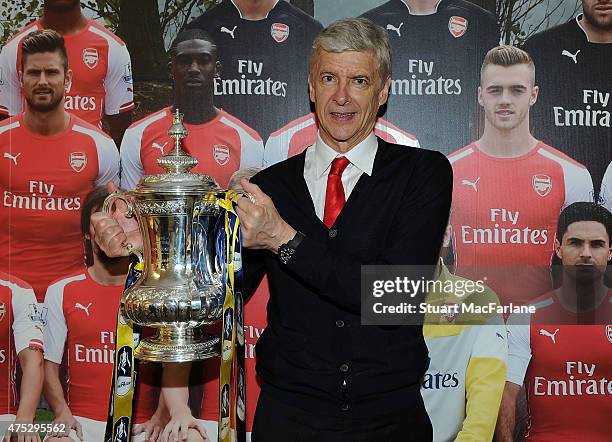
[43, 106]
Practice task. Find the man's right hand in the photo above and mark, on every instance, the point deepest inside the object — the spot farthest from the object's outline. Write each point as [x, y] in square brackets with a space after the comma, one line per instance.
[114, 232]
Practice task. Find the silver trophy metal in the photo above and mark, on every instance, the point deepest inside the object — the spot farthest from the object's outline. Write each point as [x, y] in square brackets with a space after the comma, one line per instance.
[181, 286]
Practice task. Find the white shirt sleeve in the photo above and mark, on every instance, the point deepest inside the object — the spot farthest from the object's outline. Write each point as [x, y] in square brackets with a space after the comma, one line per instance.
[56, 329]
[27, 330]
[519, 347]
[131, 164]
[277, 149]
[606, 189]
[118, 83]
[578, 187]
[10, 86]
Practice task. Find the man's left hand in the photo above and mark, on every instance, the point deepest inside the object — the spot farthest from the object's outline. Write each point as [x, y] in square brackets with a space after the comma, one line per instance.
[262, 226]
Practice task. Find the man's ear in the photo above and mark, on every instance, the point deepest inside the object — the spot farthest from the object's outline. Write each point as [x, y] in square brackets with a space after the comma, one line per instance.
[480, 96]
[311, 91]
[218, 69]
[383, 96]
[558, 249]
[534, 95]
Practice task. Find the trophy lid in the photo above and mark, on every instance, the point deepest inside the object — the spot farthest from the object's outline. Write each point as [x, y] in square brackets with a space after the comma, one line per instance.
[177, 164]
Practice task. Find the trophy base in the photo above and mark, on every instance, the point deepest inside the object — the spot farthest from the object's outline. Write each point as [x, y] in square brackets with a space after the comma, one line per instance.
[178, 345]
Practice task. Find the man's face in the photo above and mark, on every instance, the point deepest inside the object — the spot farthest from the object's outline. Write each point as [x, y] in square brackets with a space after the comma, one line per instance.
[61, 5]
[598, 13]
[193, 67]
[347, 92]
[44, 80]
[585, 249]
[506, 94]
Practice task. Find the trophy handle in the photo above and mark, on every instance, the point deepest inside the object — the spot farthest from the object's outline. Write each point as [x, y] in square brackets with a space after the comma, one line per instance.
[107, 207]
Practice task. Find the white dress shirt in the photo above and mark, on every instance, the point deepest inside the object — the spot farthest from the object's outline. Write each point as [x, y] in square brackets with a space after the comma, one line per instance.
[317, 165]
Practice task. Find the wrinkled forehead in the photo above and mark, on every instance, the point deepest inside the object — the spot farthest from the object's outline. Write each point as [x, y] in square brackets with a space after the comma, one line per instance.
[323, 60]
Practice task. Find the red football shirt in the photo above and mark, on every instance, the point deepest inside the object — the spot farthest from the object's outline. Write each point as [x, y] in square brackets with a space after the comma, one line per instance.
[43, 182]
[221, 146]
[102, 73]
[566, 370]
[504, 216]
[82, 317]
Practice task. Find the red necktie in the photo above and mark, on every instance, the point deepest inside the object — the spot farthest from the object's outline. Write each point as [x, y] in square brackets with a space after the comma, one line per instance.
[334, 196]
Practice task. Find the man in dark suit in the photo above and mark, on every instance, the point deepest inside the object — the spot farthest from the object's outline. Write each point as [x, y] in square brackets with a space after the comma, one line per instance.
[349, 200]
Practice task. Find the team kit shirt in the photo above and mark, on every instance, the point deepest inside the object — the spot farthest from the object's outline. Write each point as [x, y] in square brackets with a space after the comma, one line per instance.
[566, 370]
[43, 183]
[82, 318]
[606, 189]
[222, 146]
[436, 69]
[463, 385]
[574, 114]
[21, 322]
[505, 213]
[101, 73]
[264, 77]
[297, 136]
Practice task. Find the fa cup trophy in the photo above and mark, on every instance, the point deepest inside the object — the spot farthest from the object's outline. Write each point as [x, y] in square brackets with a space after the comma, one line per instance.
[181, 287]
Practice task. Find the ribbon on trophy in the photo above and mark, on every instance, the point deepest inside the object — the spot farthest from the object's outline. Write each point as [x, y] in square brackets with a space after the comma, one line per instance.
[125, 370]
[232, 379]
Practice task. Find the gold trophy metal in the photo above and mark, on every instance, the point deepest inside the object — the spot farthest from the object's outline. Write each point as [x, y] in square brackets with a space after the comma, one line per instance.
[181, 286]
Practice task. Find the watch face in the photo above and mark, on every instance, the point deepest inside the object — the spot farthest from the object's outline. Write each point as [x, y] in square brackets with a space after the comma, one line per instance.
[285, 252]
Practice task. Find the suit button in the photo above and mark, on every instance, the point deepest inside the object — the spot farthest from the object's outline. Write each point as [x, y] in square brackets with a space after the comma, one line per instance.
[339, 323]
[333, 233]
[344, 406]
[343, 368]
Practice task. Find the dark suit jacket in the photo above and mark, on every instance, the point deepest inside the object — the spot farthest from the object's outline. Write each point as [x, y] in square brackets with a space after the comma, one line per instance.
[314, 354]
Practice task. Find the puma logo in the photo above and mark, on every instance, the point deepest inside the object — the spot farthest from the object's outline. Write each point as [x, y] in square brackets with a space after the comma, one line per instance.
[390, 27]
[227, 31]
[160, 147]
[11, 157]
[82, 307]
[467, 182]
[549, 334]
[570, 55]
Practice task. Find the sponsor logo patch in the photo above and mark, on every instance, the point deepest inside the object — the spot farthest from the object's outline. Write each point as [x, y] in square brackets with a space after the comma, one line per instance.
[457, 26]
[90, 57]
[221, 154]
[279, 32]
[542, 184]
[78, 161]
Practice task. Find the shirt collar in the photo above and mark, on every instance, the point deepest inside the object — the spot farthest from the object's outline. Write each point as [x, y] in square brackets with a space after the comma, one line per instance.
[361, 156]
[408, 7]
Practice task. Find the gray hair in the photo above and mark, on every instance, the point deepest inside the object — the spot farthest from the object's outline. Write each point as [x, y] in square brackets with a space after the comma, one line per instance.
[355, 34]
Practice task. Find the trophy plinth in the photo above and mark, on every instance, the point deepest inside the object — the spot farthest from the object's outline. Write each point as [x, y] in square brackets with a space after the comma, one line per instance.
[181, 286]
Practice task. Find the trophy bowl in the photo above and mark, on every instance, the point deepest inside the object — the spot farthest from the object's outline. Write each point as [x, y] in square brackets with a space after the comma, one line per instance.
[181, 287]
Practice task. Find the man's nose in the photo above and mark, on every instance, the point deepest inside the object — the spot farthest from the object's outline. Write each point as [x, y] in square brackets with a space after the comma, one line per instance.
[194, 66]
[341, 94]
[586, 251]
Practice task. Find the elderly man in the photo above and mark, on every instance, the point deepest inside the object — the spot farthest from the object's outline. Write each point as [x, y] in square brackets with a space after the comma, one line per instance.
[350, 199]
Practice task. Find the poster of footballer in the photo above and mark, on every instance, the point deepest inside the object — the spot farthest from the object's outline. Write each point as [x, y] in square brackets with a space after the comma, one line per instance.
[516, 94]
